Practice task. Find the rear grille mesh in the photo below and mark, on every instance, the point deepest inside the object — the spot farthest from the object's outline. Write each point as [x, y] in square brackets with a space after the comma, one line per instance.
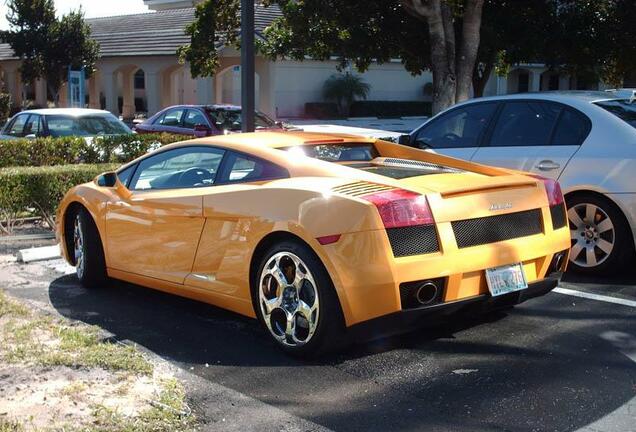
[492, 229]
[361, 188]
[559, 220]
[413, 240]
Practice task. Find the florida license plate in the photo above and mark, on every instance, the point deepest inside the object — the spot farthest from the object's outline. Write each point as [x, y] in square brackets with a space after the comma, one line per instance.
[506, 279]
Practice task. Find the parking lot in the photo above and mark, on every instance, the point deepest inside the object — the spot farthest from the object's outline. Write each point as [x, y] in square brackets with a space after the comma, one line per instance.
[556, 363]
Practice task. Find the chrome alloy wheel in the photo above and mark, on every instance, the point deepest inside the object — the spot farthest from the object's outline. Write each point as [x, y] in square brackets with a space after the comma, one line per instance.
[78, 243]
[288, 299]
[592, 233]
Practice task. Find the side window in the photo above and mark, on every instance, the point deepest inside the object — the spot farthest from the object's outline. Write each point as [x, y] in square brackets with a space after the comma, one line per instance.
[572, 128]
[193, 118]
[461, 127]
[16, 128]
[33, 126]
[125, 174]
[171, 118]
[242, 168]
[525, 123]
[185, 167]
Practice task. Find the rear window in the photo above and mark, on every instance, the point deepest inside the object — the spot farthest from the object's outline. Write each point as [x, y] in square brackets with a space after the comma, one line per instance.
[622, 109]
[338, 152]
[88, 125]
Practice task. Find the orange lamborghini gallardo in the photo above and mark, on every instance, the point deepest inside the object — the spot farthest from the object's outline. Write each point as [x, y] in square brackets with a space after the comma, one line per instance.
[319, 236]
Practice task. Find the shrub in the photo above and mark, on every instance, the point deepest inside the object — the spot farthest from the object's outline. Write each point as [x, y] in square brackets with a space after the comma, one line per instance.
[71, 150]
[345, 89]
[41, 188]
[390, 108]
[5, 107]
[322, 110]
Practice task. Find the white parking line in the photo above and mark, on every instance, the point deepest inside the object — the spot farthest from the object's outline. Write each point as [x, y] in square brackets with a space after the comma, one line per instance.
[591, 296]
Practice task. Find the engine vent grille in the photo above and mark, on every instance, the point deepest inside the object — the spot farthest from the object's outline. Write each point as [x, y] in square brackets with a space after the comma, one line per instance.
[559, 219]
[492, 229]
[416, 164]
[413, 240]
[361, 188]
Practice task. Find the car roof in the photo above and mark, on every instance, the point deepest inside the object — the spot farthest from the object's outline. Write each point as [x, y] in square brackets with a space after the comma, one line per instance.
[209, 106]
[74, 112]
[588, 96]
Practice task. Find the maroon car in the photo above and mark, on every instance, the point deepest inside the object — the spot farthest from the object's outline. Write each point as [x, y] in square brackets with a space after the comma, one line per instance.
[202, 120]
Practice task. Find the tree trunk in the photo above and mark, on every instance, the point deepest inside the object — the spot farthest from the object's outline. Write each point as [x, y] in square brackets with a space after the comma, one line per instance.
[480, 80]
[467, 54]
[452, 76]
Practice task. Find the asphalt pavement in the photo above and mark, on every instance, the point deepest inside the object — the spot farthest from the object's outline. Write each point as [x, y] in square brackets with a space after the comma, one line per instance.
[557, 363]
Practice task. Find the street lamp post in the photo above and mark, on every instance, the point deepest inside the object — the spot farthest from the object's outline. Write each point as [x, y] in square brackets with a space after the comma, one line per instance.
[248, 100]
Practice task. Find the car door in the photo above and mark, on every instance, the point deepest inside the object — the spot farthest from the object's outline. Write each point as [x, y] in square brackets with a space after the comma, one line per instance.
[154, 230]
[15, 128]
[193, 118]
[458, 132]
[172, 122]
[534, 136]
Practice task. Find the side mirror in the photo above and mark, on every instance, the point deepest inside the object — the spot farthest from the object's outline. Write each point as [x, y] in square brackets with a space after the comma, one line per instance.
[201, 130]
[404, 140]
[280, 124]
[108, 179]
[31, 136]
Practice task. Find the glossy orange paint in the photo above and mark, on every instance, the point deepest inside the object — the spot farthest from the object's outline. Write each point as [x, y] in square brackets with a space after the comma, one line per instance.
[200, 242]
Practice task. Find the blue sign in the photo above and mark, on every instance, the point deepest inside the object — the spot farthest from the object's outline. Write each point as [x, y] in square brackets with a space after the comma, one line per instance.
[76, 88]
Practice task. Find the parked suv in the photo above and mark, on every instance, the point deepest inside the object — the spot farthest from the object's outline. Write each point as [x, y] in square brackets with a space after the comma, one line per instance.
[585, 140]
[202, 120]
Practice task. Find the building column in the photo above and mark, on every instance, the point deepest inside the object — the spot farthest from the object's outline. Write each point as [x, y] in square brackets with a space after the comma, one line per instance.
[205, 91]
[535, 81]
[14, 85]
[266, 83]
[41, 98]
[153, 92]
[63, 98]
[110, 91]
[93, 91]
[128, 90]
[564, 82]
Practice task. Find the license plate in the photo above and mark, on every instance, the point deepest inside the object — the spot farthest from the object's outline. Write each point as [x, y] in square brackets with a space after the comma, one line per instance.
[506, 279]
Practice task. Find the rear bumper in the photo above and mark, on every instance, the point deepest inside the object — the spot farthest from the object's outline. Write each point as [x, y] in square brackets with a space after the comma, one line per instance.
[410, 319]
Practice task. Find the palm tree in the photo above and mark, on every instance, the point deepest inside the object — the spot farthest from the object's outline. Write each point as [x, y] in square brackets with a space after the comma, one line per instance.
[345, 89]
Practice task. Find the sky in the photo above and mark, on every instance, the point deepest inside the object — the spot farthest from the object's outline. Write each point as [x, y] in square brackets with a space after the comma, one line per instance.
[92, 8]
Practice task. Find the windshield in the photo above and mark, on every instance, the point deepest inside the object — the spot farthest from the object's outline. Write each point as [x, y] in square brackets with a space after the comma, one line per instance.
[92, 125]
[338, 152]
[231, 119]
[622, 109]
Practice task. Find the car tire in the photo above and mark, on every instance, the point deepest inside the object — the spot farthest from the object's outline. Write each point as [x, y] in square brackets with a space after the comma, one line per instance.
[601, 239]
[88, 251]
[303, 330]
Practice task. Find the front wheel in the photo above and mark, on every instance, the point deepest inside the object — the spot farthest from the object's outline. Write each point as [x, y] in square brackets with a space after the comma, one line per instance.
[88, 253]
[295, 300]
[601, 238]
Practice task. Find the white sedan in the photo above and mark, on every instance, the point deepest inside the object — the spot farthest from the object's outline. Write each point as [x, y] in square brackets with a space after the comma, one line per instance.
[586, 140]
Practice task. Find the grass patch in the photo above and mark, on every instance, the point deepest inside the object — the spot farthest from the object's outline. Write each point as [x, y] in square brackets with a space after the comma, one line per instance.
[11, 308]
[10, 426]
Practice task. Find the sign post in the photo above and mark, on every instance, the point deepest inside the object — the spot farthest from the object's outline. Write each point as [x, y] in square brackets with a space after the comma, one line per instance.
[76, 88]
[248, 103]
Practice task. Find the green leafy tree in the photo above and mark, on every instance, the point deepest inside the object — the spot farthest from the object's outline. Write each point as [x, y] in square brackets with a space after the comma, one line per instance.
[345, 89]
[47, 46]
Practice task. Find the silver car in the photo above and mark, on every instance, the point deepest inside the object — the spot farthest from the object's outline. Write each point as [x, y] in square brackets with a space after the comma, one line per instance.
[585, 140]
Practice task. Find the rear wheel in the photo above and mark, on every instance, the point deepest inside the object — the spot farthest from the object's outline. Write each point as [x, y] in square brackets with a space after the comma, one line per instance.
[295, 300]
[88, 253]
[601, 239]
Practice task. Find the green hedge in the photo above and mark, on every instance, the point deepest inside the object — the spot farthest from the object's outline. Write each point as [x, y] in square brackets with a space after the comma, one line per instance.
[390, 109]
[41, 188]
[73, 150]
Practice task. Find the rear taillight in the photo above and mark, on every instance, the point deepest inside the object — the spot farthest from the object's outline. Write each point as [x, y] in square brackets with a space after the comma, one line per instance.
[553, 189]
[400, 208]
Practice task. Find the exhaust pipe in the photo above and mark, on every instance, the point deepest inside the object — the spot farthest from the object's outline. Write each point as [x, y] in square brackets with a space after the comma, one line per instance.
[426, 293]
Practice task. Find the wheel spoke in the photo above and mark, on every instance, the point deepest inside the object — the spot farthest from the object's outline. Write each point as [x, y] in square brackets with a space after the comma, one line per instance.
[590, 256]
[605, 246]
[576, 250]
[272, 304]
[604, 226]
[306, 311]
[574, 234]
[575, 218]
[590, 213]
[290, 330]
[279, 277]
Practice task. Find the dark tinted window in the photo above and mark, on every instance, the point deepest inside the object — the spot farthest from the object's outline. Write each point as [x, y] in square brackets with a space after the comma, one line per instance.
[231, 119]
[623, 109]
[572, 128]
[337, 152]
[525, 123]
[193, 118]
[125, 174]
[185, 167]
[461, 127]
[16, 128]
[244, 169]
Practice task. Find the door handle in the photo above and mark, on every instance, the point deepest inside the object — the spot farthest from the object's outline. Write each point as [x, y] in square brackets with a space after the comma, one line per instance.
[548, 165]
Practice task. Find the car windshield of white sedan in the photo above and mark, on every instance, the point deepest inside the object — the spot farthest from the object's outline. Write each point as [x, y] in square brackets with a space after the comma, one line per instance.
[231, 119]
[94, 125]
[623, 109]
